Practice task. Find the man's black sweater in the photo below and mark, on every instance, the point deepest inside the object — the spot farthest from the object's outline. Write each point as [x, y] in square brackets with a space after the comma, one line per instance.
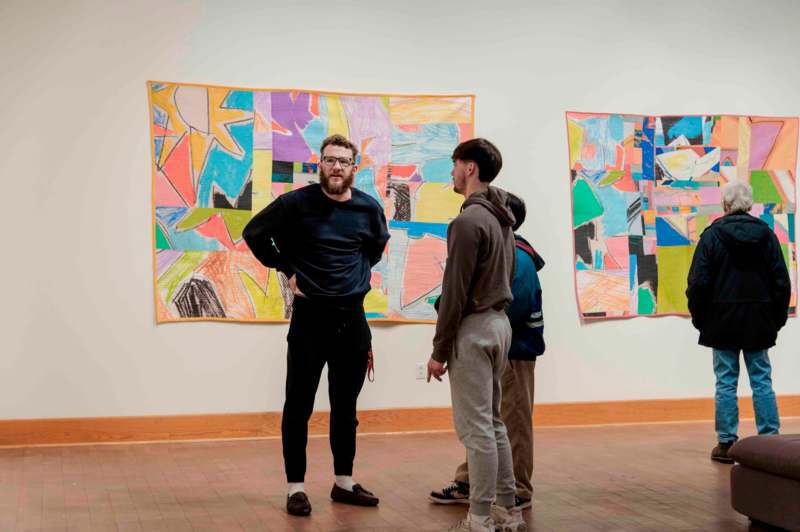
[330, 245]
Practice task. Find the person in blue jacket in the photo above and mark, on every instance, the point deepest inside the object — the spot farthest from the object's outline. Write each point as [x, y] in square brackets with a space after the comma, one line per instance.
[527, 343]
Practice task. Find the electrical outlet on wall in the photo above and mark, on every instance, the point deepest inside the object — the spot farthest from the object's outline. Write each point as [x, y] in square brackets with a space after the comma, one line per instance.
[420, 371]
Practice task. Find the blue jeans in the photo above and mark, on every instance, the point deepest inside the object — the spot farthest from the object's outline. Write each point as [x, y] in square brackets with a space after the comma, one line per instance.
[726, 368]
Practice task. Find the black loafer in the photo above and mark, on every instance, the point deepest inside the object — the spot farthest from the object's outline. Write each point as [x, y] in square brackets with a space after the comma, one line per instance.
[358, 497]
[297, 504]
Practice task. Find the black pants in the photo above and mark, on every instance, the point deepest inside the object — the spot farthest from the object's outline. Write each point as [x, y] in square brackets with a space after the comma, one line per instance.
[321, 334]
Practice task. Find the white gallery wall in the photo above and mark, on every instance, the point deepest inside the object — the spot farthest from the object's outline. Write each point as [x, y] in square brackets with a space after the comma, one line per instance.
[77, 318]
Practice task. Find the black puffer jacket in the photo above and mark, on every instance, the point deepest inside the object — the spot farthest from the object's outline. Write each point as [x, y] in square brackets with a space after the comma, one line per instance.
[738, 287]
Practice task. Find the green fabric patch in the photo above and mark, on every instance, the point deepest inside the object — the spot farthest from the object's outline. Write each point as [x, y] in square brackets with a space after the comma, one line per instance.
[162, 242]
[673, 269]
[764, 190]
[612, 177]
[235, 220]
[785, 250]
[585, 205]
[646, 303]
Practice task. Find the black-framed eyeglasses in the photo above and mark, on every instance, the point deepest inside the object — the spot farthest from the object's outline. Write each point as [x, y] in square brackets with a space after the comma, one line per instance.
[331, 161]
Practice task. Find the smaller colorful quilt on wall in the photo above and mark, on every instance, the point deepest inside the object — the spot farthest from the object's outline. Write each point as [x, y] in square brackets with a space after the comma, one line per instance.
[645, 187]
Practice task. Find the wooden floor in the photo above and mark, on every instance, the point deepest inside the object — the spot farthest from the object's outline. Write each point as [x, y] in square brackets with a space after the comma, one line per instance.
[635, 477]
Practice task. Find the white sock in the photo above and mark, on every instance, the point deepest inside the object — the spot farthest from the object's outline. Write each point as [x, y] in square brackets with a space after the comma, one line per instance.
[295, 487]
[345, 482]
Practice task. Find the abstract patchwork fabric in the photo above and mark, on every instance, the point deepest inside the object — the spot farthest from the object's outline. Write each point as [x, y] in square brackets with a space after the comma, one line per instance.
[221, 154]
[645, 187]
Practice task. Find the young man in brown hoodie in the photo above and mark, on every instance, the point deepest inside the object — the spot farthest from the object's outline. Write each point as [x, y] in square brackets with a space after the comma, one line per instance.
[473, 333]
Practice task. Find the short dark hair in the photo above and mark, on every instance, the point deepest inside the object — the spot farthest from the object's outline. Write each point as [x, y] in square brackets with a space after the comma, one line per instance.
[517, 206]
[484, 154]
[339, 140]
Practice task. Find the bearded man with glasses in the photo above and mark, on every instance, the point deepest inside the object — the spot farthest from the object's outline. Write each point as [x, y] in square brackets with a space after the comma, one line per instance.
[325, 238]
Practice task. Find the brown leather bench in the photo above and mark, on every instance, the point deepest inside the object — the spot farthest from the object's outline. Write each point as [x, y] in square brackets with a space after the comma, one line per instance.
[765, 484]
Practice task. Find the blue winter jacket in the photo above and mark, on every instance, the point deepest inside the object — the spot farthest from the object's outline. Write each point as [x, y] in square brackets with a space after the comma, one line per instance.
[525, 311]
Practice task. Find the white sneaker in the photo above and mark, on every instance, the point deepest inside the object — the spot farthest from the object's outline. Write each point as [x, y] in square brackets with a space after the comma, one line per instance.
[473, 523]
[508, 520]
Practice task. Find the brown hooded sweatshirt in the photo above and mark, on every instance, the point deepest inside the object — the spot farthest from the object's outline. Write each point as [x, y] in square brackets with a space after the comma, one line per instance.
[480, 265]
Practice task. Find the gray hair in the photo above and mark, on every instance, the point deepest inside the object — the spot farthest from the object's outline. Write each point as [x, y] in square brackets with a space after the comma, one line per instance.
[737, 196]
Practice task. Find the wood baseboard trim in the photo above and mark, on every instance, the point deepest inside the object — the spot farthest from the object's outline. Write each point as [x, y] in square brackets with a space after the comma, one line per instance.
[66, 431]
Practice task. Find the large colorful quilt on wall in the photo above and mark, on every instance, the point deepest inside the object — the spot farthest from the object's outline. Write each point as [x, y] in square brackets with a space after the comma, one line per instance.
[220, 155]
[645, 187]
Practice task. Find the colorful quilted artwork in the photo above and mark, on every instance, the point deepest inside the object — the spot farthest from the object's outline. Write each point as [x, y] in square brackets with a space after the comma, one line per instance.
[220, 155]
[645, 187]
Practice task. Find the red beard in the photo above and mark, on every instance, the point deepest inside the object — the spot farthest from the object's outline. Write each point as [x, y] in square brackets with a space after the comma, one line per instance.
[335, 189]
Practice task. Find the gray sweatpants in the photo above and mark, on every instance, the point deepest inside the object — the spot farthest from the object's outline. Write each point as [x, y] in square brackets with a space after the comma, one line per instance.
[476, 368]
[517, 410]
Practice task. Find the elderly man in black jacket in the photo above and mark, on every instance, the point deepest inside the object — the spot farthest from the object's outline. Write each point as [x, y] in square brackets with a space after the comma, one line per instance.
[738, 291]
